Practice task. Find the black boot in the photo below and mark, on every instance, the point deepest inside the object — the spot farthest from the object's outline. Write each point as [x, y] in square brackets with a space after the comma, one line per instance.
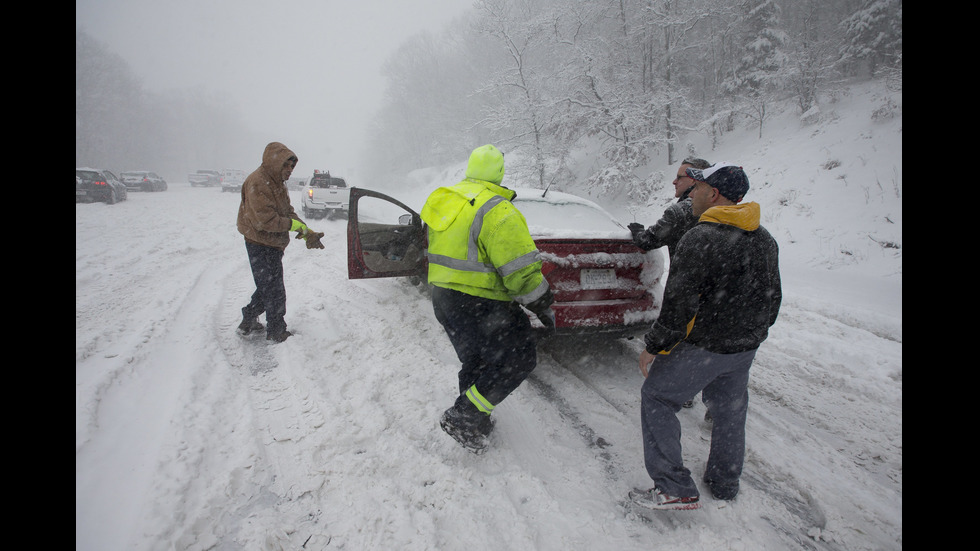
[279, 337]
[468, 426]
[722, 491]
[249, 325]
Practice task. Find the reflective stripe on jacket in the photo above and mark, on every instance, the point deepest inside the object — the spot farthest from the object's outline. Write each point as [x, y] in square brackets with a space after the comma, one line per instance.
[479, 243]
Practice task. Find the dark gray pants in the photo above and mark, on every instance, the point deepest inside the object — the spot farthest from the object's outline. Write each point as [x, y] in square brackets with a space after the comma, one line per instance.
[270, 290]
[723, 380]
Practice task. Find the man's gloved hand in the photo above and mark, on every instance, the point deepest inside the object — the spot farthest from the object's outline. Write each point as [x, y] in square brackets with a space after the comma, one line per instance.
[313, 240]
[304, 232]
[635, 228]
[547, 318]
[542, 309]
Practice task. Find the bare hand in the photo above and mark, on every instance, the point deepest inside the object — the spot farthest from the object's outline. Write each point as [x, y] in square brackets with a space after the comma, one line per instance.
[646, 359]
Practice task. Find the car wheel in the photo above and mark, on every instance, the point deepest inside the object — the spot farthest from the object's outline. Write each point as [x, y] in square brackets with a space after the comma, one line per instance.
[112, 197]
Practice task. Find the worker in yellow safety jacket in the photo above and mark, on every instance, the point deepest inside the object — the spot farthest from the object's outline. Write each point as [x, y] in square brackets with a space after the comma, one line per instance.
[483, 266]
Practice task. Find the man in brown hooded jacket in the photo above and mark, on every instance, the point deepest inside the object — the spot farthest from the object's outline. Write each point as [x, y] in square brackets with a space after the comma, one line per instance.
[265, 218]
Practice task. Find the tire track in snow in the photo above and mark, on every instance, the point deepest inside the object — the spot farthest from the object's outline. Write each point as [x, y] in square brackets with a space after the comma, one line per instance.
[285, 426]
[254, 474]
[579, 369]
[802, 398]
[154, 419]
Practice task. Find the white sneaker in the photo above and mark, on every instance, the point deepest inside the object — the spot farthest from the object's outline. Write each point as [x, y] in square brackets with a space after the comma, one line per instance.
[655, 499]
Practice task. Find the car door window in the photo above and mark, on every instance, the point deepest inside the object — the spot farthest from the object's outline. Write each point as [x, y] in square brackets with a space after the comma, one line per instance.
[385, 238]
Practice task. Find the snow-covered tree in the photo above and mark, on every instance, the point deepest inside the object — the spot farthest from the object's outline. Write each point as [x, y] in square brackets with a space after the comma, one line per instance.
[107, 94]
[761, 72]
[529, 82]
[120, 126]
[431, 112]
[813, 52]
[621, 79]
[873, 34]
[668, 67]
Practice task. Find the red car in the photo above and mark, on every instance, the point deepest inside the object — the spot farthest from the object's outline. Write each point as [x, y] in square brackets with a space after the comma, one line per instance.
[602, 282]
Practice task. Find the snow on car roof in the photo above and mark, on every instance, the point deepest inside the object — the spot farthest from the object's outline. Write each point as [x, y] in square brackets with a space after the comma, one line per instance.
[565, 215]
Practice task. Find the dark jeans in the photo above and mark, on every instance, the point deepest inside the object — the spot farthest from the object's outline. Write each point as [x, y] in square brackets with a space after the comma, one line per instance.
[676, 378]
[492, 339]
[270, 291]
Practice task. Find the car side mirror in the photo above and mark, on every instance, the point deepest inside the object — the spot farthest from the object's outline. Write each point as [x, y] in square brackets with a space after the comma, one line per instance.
[405, 220]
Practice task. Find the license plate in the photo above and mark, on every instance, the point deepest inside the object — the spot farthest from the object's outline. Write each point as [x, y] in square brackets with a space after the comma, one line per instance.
[79, 192]
[598, 279]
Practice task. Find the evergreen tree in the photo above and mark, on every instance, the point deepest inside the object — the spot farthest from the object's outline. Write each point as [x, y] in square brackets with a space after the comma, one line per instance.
[762, 70]
[873, 34]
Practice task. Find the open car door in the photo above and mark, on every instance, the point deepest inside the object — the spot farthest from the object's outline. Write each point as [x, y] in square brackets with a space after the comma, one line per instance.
[385, 238]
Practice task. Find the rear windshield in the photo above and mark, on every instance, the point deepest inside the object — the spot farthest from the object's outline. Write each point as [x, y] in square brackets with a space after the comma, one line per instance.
[569, 219]
[88, 175]
[322, 180]
[132, 174]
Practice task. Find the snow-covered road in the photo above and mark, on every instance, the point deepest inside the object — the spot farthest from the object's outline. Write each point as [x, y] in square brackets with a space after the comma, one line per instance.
[190, 437]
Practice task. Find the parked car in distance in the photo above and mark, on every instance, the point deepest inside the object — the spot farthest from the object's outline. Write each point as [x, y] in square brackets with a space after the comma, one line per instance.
[143, 180]
[601, 281]
[325, 196]
[96, 185]
[204, 178]
[231, 180]
[296, 184]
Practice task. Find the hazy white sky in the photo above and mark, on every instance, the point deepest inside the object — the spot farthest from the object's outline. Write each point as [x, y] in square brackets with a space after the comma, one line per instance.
[303, 72]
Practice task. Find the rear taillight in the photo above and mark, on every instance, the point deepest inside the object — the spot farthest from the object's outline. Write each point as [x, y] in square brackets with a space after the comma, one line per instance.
[100, 183]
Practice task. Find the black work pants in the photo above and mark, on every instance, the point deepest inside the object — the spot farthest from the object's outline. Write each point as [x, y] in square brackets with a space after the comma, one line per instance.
[492, 339]
[270, 290]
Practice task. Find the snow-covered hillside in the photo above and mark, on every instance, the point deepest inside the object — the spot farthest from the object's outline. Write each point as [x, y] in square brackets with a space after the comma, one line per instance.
[189, 437]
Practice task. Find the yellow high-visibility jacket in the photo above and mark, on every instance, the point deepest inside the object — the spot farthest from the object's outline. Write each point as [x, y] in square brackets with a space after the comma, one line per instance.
[479, 243]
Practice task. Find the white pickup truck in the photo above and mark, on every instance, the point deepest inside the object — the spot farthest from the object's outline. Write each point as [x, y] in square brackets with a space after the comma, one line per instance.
[325, 196]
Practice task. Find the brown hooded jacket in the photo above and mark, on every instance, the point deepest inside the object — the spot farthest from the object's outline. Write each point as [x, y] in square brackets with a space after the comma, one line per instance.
[265, 214]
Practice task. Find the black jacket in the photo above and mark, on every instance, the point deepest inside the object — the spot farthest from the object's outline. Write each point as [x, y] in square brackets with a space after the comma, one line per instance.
[667, 232]
[725, 278]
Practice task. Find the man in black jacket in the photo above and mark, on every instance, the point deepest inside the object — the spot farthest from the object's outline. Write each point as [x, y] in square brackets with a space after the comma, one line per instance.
[674, 222]
[722, 296]
[676, 219]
